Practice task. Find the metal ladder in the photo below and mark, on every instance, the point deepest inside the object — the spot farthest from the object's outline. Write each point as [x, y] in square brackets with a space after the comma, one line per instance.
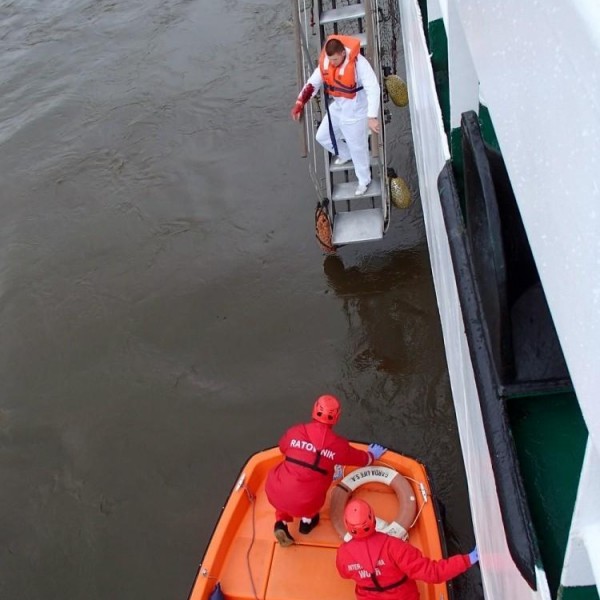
[354, 218]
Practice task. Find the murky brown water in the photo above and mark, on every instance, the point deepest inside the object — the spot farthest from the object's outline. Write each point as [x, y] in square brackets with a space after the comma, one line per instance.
[165, 310]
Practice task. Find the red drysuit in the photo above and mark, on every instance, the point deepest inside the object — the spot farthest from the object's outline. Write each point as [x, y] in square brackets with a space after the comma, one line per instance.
[299, 490]
[393, 561]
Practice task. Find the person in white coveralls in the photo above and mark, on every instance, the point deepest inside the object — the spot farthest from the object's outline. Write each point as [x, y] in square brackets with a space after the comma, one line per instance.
[349, 80]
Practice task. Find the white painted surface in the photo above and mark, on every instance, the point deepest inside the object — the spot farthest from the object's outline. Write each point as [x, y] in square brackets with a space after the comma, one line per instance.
[538, 64]
[437, 9]
[582, 559]
[501, 579]
[463, 80]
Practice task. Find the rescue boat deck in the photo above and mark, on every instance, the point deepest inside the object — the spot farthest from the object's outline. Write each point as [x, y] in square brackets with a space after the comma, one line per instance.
[245, 558]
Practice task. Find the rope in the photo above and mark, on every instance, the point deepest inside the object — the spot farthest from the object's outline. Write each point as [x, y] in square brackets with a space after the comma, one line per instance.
[252, 500]
[420, 484]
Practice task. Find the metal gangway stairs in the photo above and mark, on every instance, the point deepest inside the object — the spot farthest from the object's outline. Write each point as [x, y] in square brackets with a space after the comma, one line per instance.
[353, 218]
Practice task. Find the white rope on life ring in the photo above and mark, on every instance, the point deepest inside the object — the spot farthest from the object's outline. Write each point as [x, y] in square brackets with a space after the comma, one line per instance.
[407, 503]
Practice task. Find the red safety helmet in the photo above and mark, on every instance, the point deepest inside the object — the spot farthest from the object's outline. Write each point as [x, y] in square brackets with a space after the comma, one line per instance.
[359, 518]
[327, 410]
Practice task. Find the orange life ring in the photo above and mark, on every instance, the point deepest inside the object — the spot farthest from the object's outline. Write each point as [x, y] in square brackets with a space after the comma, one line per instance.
[407, 503]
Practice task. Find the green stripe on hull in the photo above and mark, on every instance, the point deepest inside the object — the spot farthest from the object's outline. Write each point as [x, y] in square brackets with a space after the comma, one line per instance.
[550, 437]
[487, 127]
[438, 47]
[578, 593]
[437, 41]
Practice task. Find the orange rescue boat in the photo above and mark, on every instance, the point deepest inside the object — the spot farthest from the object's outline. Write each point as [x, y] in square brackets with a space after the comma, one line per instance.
[248, 563]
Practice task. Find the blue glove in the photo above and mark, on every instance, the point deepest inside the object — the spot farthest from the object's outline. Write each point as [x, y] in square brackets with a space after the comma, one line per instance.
[338, 472]
[474, 556]
[376, 450]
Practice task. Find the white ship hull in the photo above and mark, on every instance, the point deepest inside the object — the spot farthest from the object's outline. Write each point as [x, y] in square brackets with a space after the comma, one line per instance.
[537, 71]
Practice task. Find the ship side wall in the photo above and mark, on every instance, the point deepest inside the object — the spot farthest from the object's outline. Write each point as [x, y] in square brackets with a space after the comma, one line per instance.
[501, 578]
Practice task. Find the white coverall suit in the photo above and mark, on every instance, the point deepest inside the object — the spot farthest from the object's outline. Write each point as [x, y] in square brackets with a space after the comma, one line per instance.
[349, 118]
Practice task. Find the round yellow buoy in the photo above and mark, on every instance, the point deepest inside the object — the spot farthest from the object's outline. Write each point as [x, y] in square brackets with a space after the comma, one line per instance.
[400, 193]
[397, 90]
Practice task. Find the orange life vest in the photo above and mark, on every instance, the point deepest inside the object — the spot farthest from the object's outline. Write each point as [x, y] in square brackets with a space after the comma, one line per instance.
[341, 81]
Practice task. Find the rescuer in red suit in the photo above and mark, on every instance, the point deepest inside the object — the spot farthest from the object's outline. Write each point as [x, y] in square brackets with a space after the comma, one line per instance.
[297, 487]
[385, 567]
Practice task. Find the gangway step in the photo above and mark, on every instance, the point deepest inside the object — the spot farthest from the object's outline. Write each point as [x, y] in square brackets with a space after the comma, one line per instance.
[349, 166]
[357, 226]
[345, 191]
[344, 13]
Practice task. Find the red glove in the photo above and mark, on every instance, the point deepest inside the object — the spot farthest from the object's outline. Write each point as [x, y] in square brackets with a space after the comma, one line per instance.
[297, 110]
[303, 98]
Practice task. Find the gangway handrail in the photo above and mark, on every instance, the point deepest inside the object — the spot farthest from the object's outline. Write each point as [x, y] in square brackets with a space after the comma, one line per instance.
[299, 72]
[312, 110]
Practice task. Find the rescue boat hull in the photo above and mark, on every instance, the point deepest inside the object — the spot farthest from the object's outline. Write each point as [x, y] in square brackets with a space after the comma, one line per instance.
[248, 563]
